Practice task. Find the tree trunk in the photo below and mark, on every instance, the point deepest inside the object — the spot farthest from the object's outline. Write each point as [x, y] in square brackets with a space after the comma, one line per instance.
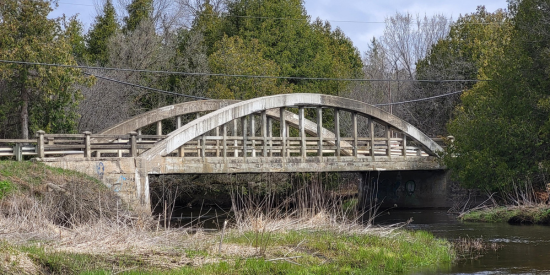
[25, 114]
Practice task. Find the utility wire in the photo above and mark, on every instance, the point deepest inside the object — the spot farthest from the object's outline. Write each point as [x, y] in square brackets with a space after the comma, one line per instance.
[240, 75]
[205, 98]
[420, 99]
[147, 88]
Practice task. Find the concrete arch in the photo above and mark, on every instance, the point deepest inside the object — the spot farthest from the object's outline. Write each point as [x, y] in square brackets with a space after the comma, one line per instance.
[222, 116]
[153, 116]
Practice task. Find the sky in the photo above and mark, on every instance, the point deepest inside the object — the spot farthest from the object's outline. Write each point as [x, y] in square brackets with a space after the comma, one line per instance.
[365, 16]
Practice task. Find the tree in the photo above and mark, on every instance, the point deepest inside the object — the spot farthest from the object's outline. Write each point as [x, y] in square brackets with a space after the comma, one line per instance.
[300, 48]
[235, 56]
[105, 27]
[500, 128]
[43, 97]
[138, 11]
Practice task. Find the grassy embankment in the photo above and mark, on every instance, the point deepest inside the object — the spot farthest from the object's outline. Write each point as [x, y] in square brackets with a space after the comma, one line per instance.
[531, 214]
[81, 229]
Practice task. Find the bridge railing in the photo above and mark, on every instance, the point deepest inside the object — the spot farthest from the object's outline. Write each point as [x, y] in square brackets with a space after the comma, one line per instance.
[239, 146]
[85, 144]
[132, 144]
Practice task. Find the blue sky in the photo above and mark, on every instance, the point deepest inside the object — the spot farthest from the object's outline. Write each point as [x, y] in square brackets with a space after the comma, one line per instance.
[338, 11]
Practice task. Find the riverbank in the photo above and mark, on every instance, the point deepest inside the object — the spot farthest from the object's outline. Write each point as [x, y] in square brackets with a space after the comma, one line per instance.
[60, 222]
[532, 214]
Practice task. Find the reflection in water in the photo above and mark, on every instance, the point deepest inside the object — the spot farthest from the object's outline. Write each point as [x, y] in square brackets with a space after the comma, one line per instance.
[525, 249]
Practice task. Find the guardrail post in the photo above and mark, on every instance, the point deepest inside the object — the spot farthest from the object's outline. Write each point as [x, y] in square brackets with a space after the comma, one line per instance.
[40, 143]
[133, 144]
[87, 144]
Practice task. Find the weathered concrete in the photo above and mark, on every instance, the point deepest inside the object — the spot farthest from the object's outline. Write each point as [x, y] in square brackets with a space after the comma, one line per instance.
[220, 117]
[131, 174]
[156, 116]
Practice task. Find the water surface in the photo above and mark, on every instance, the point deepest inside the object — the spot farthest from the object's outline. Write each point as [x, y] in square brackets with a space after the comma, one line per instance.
[525, 249]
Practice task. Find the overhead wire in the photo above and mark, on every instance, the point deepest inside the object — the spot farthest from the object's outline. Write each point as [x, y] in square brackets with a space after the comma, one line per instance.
[145, 87]
[240, 75]
[420, 99]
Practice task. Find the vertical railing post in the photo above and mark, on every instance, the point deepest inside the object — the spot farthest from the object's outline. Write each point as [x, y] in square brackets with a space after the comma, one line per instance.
[217, 142]
[337, 130]
[40, 143]
[245, 134]
[388, 141]
[18, 152]
[178, 121]
[354, 133]
[119, 152]
[320, 132]
[159, 128]
[235, 143]
[203, 149]
[224, 140]
[133, 144]
[253, 134]
[371, 132]
[404, 144]
[303, 142]
[264, 133]
[87, 144]
[282, 130]
[270, 135]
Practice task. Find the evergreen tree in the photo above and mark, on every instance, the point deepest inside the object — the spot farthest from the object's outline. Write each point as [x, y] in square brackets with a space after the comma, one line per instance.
[138, 11]
[42, 97]
[105, 27]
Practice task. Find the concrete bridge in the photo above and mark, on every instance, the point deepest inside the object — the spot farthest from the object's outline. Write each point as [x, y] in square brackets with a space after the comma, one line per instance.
[281, 133]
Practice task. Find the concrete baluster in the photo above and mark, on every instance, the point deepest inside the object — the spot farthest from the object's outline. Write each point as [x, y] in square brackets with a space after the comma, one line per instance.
[282, 131]
[133, 144]
[303, 143]
[87, 145]
[40, 143]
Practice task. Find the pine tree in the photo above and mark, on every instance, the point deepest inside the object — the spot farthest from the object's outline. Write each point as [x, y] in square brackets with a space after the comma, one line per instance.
[36, 97]
[105, 27]
[138, 11]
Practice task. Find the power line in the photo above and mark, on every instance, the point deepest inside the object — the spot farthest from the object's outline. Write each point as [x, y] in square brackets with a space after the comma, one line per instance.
[147, 88]
[239, 75]
[420, 99]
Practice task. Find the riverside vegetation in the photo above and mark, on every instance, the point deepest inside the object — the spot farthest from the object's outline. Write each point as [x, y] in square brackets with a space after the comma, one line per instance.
[54, 221]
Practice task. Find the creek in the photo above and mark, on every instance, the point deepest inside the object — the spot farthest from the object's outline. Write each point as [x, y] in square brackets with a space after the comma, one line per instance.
[524, 249]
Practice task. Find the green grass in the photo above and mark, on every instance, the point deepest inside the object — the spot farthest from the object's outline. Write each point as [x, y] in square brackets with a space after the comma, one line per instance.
[539, 214]
[29, 174]
[318, 252]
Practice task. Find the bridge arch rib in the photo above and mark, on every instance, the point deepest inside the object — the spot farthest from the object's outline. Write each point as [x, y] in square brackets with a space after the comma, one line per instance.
[148, 118]
[237, 110]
